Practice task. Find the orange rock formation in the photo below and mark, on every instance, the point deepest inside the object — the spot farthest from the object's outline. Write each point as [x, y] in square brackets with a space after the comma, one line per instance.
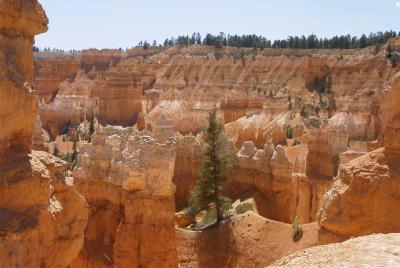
[308, 130]
[126, 178]
[42, 217]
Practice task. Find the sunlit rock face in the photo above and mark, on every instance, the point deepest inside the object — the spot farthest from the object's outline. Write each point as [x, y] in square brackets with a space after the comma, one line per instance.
[42, 217]
[83, 86]
[126, 178]
[190, 81]
[17, 102]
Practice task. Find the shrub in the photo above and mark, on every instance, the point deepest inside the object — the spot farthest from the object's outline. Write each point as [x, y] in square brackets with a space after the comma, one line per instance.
[296, 142]
[389, 51]
[297, 229]
[243, 208]
[303, 110]
[370, 92]
[289, 131]
[209, 219]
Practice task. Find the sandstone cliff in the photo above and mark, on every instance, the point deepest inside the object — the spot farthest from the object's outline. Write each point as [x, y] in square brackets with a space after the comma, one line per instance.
[192, 80]
[42, 217]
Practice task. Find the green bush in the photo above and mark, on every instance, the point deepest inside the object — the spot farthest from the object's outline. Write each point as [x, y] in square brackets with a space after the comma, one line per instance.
[288, 130]
[208, 220]
[243, 208]
[297, 229]
[305, 108]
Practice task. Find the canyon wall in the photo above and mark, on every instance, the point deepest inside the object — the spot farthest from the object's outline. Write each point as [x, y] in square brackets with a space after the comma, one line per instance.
[299, 123]
[191, 80]
[76, 87]
[42, 217]
[126, 178]
[50, 69]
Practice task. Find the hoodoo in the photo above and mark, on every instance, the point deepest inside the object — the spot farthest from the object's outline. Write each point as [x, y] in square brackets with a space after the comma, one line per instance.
[42, 216]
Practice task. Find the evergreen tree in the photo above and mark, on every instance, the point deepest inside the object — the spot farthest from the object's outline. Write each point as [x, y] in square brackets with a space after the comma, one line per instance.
[166, 42]
[363, 41]
[292, 42]
[193, 39]
[208, 188]
[146, 45]
[74, 155]
[198, 39]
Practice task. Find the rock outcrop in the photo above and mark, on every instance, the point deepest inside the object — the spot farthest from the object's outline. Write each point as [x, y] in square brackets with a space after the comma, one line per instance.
[379, 250]
[42, 217]
[126, 178]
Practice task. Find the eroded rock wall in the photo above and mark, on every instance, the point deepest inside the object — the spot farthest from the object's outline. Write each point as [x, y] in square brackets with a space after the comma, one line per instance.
[50, 70]
[192, 80]
[126, 178]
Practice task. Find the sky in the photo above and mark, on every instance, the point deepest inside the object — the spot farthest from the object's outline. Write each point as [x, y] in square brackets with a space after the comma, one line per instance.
[79, 24]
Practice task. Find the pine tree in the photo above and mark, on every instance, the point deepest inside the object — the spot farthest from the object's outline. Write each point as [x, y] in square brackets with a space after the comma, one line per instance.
[74, 155]
[91, 126]
[208, 188]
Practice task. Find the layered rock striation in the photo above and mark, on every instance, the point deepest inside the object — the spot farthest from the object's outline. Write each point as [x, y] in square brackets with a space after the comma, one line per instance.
[192, 80]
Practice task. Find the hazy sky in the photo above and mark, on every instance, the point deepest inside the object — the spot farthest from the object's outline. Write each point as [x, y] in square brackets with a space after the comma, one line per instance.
[123, 23]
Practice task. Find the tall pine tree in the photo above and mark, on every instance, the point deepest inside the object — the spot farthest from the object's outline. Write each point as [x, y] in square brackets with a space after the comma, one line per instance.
[208, 188]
